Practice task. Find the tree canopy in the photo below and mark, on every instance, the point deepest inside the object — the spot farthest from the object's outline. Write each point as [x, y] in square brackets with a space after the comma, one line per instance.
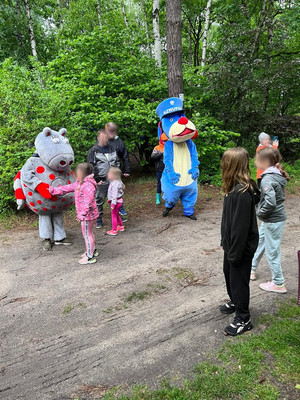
[80, 63]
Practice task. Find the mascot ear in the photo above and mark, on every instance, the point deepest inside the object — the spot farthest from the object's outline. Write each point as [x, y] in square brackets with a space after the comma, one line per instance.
[63, 132]
[47, 131]
[196, 134]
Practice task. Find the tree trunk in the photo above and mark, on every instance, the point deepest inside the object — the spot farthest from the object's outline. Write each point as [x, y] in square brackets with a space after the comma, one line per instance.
[206, 27]
[258, 29]
[156, 33]
[99, 13]
[30, 28]
[174, 47]
[124, 13]
[146, 28]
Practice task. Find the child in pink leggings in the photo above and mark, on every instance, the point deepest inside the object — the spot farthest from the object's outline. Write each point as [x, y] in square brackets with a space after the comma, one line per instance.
[115, 199]
[87, 212]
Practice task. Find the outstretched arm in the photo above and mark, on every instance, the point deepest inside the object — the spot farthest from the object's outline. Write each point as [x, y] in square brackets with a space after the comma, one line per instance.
[60, 190]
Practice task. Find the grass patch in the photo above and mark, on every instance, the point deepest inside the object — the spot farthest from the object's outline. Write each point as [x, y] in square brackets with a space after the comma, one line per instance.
[142, 295]
[133, 297]
[67, 309]
[262, 366]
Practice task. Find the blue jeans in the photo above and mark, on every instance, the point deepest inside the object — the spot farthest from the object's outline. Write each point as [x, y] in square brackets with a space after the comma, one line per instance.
[270, 235]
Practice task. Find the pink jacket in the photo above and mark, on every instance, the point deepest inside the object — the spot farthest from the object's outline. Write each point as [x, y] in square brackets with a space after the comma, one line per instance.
[85, 193]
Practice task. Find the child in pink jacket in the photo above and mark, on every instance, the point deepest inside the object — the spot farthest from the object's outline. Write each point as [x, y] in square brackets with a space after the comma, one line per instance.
[87, 212]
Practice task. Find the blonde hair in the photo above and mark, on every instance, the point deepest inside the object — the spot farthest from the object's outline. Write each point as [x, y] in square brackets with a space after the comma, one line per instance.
[117, 174]
[236, 170]
[273, 157]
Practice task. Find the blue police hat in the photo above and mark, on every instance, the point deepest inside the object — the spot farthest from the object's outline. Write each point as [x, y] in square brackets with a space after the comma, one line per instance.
[169, 106]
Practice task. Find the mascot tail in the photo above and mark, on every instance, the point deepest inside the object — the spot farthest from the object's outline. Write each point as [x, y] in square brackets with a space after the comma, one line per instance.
[19, 192]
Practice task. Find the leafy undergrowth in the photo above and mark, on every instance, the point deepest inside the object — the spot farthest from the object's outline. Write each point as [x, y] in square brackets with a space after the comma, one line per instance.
[261, 365]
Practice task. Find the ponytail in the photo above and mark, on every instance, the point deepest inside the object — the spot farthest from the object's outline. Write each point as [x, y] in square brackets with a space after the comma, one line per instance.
[283, 171]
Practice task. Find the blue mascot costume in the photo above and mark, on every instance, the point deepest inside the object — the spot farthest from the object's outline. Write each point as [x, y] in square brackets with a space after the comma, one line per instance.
[179, 179]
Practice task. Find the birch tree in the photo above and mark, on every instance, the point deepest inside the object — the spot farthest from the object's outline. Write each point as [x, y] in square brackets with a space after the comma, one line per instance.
[30, 29]
[174, 47]
[156, 33]
[124, 13]
[205, 32]
[98, 7]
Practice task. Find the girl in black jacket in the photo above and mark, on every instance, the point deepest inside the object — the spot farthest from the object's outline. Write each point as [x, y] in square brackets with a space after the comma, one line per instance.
[239, 236]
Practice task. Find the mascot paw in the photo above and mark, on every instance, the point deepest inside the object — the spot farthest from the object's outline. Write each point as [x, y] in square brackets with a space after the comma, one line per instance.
[174, 178]
[43, 189]
[194, 172]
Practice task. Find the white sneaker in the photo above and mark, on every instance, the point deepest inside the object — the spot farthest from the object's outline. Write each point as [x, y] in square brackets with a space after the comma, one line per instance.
[253, 276]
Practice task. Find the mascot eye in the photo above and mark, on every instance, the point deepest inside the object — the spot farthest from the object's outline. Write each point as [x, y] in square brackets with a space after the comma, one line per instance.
[55, 139]
[66, 140]
[171, 119]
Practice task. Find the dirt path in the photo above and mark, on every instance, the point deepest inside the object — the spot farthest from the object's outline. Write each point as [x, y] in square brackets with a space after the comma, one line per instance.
[146, 311]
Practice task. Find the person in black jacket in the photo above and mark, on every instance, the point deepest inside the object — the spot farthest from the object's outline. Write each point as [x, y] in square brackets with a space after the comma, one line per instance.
[158, 157]
[239, 236]
[102, 156]
[123, 157]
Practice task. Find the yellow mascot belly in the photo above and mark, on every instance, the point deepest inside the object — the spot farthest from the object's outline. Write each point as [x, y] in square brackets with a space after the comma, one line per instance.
[182, 163]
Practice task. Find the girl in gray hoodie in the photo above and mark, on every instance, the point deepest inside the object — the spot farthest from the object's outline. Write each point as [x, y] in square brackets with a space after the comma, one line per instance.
[272, 214]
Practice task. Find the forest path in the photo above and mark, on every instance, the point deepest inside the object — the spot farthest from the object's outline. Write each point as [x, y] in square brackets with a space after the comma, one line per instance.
[147, 310]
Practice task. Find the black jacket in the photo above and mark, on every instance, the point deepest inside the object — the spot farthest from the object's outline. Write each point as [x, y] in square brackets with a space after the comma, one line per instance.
[158, 158]
[119, 146]
[102, 159]
[239, 225]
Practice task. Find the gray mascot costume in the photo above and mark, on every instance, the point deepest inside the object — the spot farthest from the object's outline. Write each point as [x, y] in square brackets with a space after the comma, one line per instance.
[50, 166]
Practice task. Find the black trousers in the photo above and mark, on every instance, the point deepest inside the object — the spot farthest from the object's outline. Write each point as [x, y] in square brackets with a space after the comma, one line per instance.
[237, 279]
[158, 178]
[101, 196]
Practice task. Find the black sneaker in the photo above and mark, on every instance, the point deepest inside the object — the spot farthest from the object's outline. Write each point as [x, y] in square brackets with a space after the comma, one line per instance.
[192, 217]
[167, 211]
[237, 327]
[227, 308]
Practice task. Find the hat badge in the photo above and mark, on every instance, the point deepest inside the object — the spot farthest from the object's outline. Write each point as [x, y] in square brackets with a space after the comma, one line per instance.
[172, 102]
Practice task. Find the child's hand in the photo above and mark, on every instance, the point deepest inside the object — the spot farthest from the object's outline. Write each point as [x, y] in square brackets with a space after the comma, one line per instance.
[100, 183]
[112, 206]
[78, 220]
[276, 143]
[127, 175]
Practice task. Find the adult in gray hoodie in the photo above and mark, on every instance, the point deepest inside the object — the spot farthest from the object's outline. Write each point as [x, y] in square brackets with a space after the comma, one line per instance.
[271, 212]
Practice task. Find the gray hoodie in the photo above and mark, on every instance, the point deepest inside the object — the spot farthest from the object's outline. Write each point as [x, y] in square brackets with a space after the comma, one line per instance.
[271, 205]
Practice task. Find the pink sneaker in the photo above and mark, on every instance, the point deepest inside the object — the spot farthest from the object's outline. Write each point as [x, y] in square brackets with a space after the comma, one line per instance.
[84, 260]
[112, 233]
[120, 228]
[272, 287]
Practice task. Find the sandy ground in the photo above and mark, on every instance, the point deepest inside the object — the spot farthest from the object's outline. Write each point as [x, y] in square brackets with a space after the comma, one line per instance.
[147, 310]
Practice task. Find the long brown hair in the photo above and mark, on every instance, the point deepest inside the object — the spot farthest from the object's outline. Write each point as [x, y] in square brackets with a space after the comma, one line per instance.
[235, 170]
[273, 157]
[86, 169]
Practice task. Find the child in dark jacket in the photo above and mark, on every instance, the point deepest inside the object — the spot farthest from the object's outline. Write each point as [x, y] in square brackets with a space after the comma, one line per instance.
[239, 236]
[272, 214]
[158, 157]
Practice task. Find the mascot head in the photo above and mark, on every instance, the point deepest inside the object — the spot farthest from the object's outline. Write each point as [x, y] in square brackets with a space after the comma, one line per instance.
[54, 149]
[173, 123]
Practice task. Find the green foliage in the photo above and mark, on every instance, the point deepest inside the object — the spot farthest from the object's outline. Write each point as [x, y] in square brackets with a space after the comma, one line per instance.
[96, 64]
